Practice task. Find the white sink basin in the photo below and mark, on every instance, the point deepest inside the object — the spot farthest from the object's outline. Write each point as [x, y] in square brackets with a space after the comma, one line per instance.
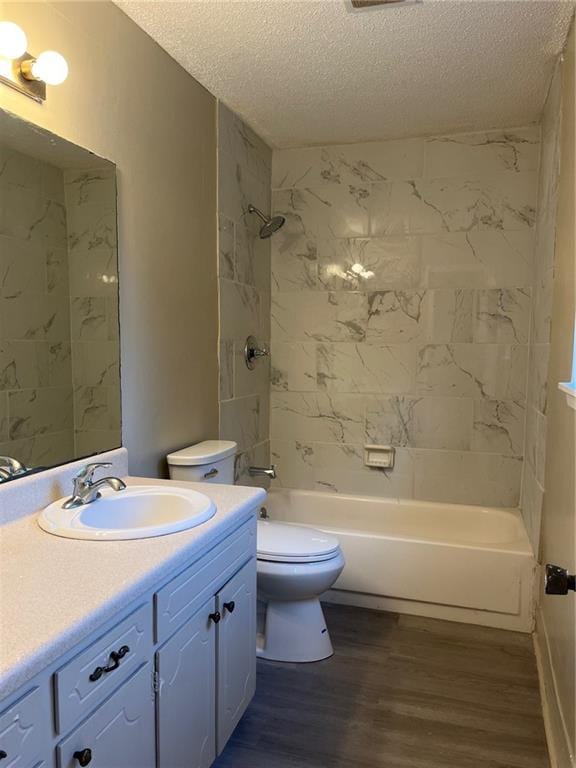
[138, 512]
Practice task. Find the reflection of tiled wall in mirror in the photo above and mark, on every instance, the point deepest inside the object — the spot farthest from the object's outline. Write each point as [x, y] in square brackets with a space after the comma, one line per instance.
[90, 199]
[36, 403]
[59, 348]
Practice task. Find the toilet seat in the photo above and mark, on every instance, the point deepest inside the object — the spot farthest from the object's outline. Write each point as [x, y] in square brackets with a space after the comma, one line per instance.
[288, 543]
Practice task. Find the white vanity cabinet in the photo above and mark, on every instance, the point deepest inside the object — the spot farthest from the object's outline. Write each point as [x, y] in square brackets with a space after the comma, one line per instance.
[120, 734]
[162, 685]
[214, 656]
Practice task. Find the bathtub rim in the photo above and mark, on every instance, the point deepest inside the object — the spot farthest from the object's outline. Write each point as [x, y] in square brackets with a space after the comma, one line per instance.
[517, 546]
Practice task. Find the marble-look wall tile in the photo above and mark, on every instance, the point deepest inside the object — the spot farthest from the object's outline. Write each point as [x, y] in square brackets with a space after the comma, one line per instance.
[4, 417]
[366, 368]
[96, 363]
[317, 416]
[256, 456]
[240, 311]
[369, 264]
[402, 290]
[225, 247]
[226, 370]
[36, 418]
[89, 318]
[431, 206]
[487, 259]
[237, 139]
[294, 262]
[319, 316]
[240, 421]
[494, 371]
[482, 154]
[502, 315]
[96, 408]
[436, 316]
[294, 367]
[36, 317]
[347, 164]
[89, 442]
[39, 411]
[533, 481]
[339, 468]
[498, 427]
[324, 212]
[532, 502]
[420, 422]
[538, 376]
[42, 450]
[465, 477]
[244, 172]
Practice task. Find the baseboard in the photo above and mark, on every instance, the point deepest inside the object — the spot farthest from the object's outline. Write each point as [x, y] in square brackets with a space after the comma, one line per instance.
[556, 733]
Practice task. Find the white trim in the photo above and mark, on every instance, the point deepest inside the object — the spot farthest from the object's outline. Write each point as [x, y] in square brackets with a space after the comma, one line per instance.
[570, 392]
[554, 721]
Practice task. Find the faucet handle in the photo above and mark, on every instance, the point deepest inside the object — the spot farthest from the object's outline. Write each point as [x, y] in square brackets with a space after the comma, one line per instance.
[15, 467]
[87, 473]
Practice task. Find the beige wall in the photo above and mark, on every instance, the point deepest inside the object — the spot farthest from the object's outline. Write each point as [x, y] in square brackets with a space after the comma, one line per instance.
[128, 101]
[557, 614]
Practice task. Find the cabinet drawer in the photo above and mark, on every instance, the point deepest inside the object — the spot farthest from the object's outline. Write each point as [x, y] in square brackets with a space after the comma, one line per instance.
[25, 730]
[83, 683]
[120, 734]
[183, 596]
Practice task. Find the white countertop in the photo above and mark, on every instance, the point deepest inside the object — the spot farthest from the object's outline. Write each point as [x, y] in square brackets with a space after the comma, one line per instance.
[54, 592]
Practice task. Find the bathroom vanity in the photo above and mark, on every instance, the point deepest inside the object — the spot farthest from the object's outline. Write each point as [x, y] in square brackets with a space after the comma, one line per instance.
[162, 681]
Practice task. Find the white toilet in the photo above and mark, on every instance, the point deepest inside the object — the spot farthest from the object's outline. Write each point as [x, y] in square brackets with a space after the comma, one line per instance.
[296, 565]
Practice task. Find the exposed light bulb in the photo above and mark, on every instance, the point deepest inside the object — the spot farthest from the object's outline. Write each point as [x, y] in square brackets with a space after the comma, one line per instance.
[13, 42]
[51, 67]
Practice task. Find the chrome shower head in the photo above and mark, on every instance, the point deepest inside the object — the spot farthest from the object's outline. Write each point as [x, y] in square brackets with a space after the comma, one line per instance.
[271, 223]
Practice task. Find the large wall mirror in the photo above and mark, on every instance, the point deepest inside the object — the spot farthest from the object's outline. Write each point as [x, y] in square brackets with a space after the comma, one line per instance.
[59, 331]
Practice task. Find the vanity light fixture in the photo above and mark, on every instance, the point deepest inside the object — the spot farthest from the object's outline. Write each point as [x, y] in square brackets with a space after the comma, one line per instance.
[22, 71]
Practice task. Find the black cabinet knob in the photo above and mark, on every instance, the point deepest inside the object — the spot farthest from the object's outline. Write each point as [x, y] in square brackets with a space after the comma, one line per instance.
[558, 581]
[230, 606]
[84, 756]
[215, 617]
[3, 754]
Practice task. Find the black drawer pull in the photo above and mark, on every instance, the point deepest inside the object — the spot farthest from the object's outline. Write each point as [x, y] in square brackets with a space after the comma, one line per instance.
[84, 756]
[215, 617]
[3, 754]
[113, 663]
[230, 606]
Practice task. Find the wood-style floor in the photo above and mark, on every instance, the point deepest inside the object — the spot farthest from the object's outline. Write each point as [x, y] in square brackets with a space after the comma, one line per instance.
[400, 692]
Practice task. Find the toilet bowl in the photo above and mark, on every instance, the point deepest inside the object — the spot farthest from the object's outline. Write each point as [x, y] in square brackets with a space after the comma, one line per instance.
[295, 565]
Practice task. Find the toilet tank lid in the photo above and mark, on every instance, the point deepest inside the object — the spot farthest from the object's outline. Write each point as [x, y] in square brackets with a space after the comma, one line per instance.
[202, 453]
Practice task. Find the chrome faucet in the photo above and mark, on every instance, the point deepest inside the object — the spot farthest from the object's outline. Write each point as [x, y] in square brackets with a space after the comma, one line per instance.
[10, 467]
[86, 491]
[263, 471]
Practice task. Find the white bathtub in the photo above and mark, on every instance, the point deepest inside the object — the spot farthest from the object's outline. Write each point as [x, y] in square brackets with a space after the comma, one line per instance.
[449, 561]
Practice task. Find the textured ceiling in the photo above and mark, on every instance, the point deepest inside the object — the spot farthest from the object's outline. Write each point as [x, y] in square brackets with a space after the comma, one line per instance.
[304, 72]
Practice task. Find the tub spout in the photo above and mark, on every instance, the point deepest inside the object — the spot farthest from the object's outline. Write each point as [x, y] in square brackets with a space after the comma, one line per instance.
[263, 471]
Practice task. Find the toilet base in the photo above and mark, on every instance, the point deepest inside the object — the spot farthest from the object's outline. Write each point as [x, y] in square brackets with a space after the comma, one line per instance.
[294, 631]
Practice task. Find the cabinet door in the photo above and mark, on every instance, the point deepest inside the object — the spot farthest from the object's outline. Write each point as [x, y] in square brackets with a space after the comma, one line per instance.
[25, 729]
[120, 733]
[186, 675]
[236, 650]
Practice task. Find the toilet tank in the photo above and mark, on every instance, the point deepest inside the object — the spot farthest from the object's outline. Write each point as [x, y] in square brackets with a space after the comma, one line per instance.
[211, 461]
